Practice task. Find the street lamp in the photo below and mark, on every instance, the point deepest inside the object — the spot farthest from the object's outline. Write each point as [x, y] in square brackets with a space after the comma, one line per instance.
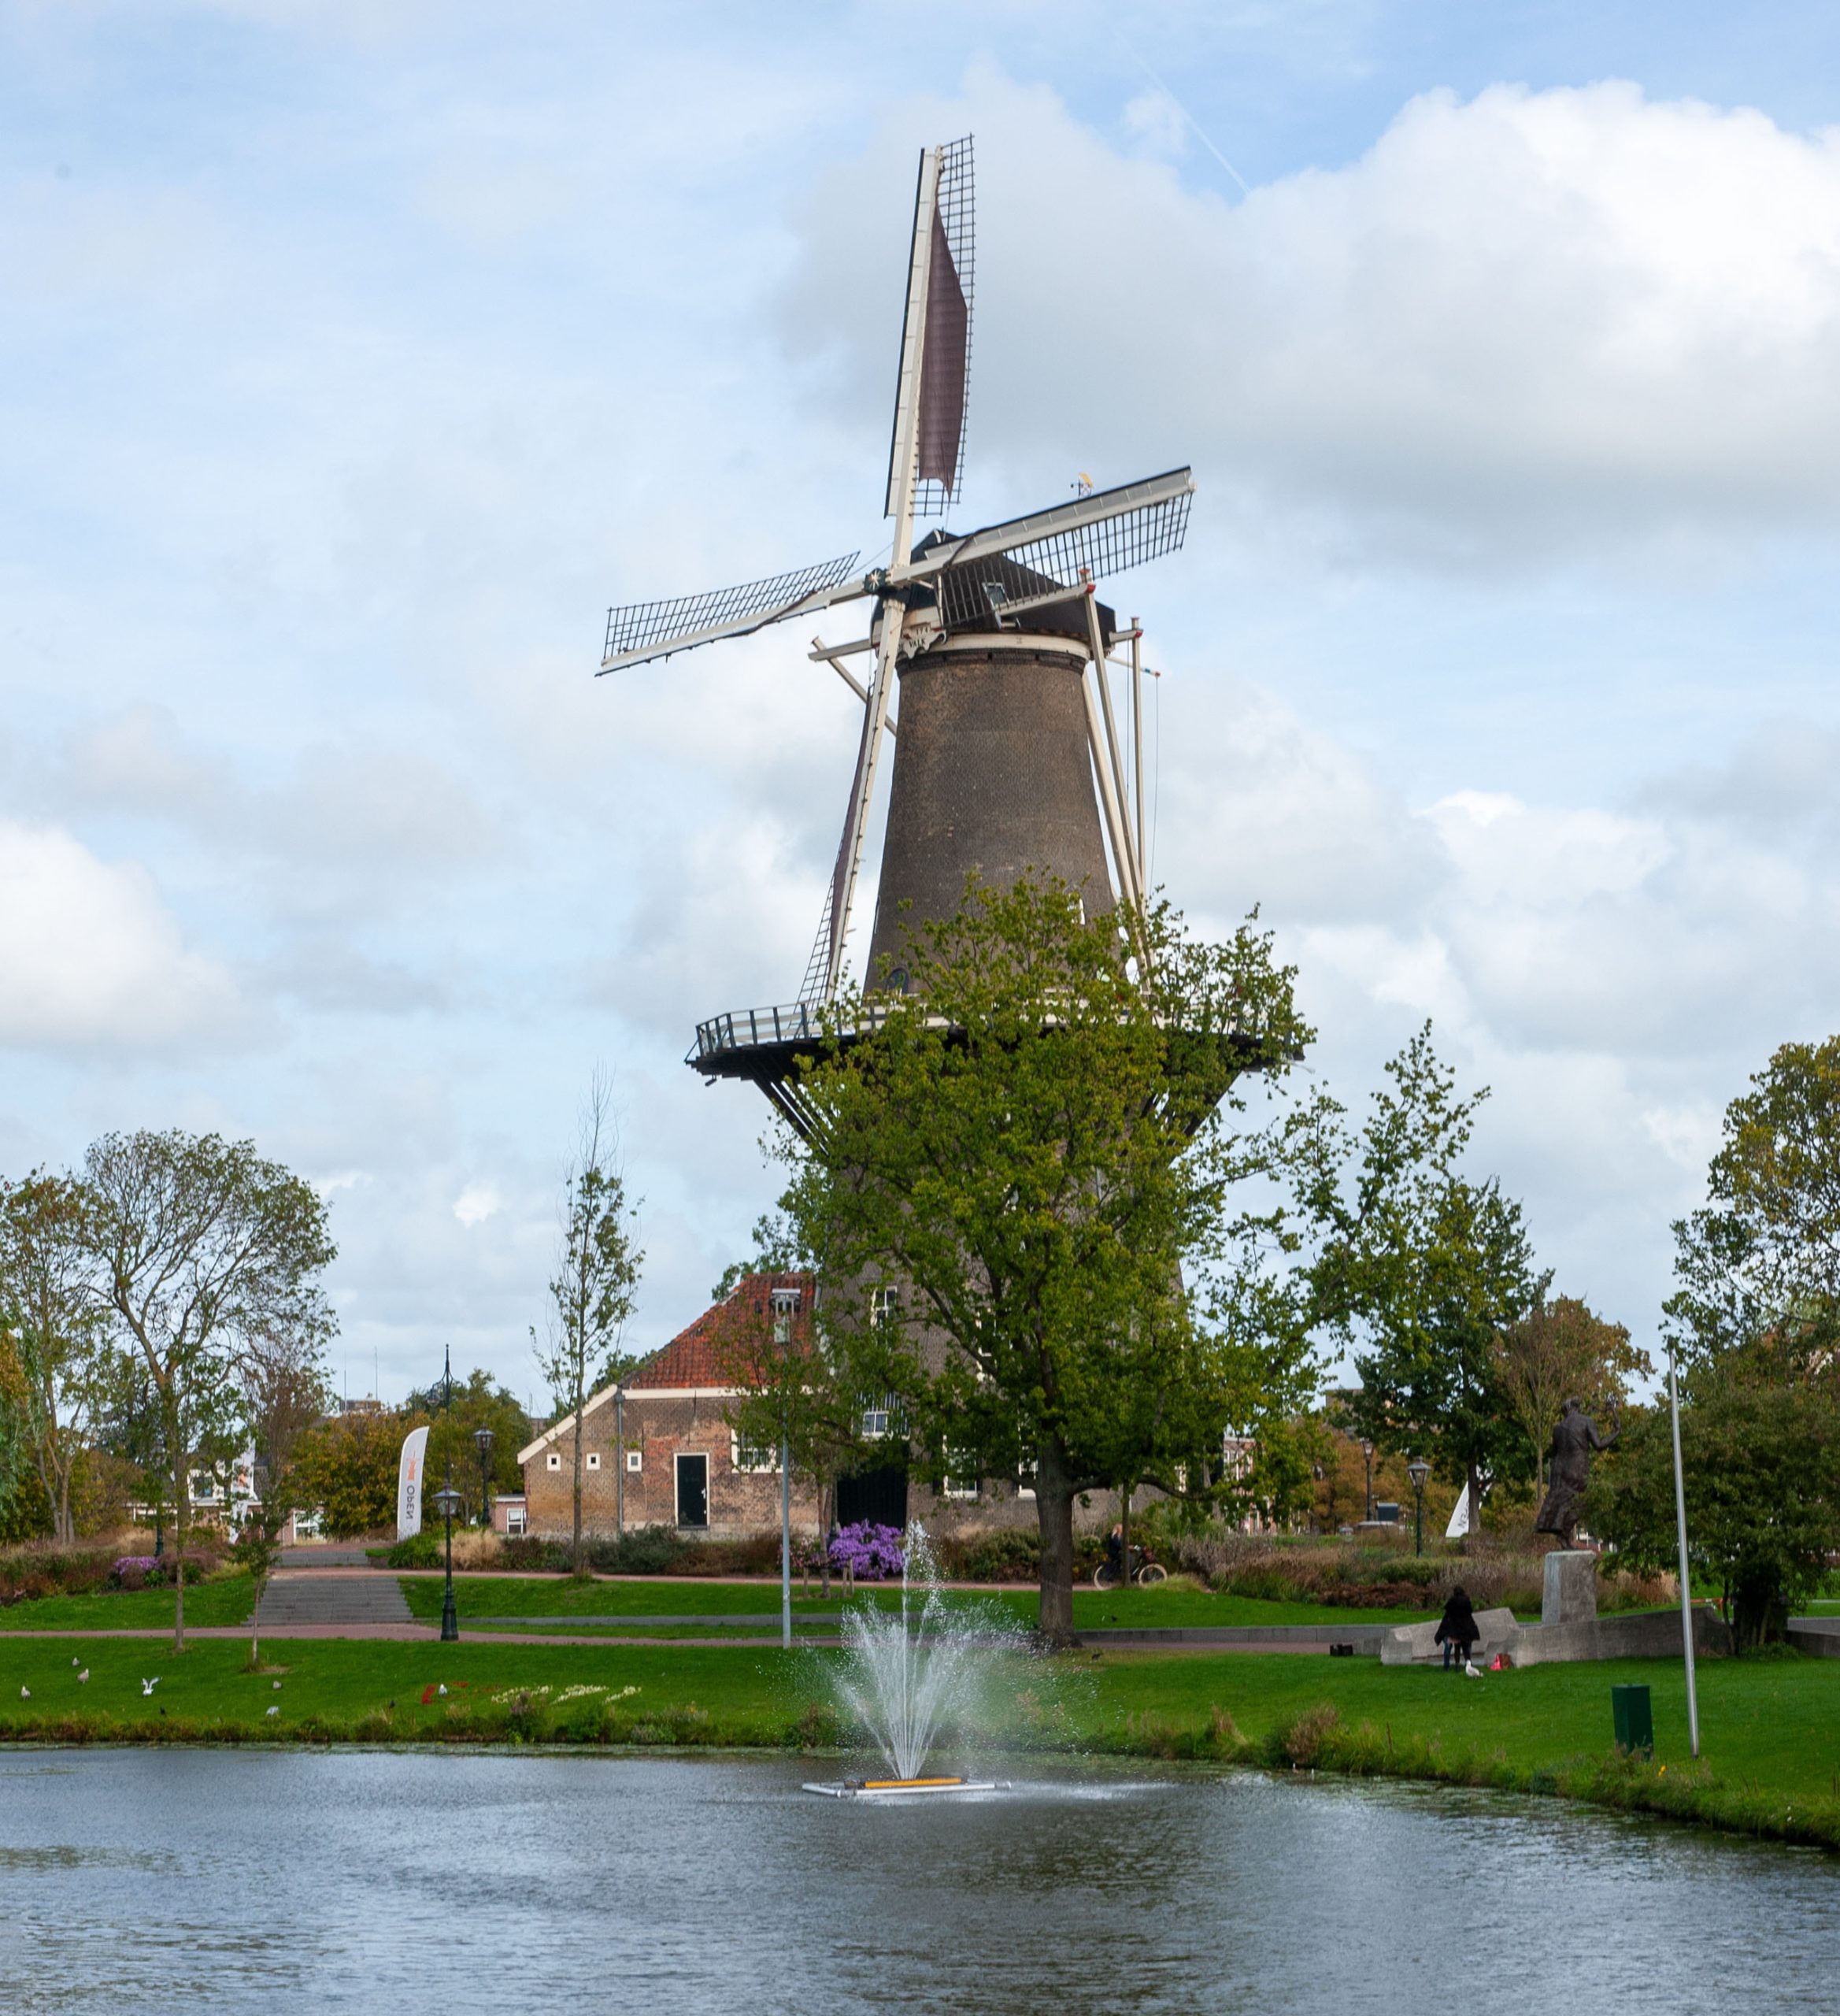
[484, 1437]
[1418, 1470]
[448, 1498]
[1367, 1456]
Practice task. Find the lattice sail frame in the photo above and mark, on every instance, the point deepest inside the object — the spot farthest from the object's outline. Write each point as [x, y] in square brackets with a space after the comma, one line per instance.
[635, 626]
[956, 213]
[1111, 545]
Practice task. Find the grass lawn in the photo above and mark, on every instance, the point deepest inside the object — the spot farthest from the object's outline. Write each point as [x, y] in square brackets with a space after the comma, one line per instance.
[493, 1595]
[226, 1600]
[1770, 1732]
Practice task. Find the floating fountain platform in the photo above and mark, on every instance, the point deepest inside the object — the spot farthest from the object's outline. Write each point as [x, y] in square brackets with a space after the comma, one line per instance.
[904, 1788]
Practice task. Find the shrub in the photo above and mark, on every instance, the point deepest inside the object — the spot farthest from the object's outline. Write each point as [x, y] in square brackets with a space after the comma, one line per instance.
[868, 1552]
[419, 1550]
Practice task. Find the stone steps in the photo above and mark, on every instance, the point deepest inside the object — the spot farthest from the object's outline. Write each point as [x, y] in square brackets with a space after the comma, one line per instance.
[356, 1599]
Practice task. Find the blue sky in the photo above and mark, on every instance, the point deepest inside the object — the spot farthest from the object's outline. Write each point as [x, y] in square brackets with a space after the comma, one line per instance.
[353, 357]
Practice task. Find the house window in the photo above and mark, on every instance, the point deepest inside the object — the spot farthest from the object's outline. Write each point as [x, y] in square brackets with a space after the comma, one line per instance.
[882, 1416]
[882, 1304]
[962, 1475]
[751, 1455]
[514, 1523]
[594, 1459]
[1025, 1484]
[785, 1306]
[553, 1460]
[635, 1460]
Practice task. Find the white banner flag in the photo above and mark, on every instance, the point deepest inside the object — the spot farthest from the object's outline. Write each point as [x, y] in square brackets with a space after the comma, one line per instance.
[408, 1483]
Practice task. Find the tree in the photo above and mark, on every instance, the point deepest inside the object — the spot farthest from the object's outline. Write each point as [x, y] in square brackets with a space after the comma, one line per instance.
[592, 1291]
[1761, 1257]
[1419, 1273]
[478, 1401]
[791, 1392]
[60, 1344]
[284, 1392]
[1760, 1447]
[346, 1467]
[1559, 1350]
[1008, 1169]
[203, 1248]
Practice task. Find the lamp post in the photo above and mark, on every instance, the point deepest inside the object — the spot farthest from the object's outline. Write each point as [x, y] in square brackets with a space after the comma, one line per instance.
[1418, 1470]
[484, 1437]
[1367, 1457]
[448, 1498]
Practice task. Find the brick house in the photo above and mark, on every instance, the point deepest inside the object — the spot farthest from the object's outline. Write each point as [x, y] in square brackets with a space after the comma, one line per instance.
[683, 1465]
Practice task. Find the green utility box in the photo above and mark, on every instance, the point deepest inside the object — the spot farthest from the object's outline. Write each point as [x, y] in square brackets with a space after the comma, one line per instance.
[1634, 1719]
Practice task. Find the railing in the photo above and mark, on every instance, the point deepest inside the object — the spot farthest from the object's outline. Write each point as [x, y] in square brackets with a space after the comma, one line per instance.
[800, 1022]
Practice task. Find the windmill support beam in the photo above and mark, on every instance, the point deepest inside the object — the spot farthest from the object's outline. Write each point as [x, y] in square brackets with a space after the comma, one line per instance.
[876, 709]
[843, 672]
[1110, 764]
[1136, 738]
[1107, 797]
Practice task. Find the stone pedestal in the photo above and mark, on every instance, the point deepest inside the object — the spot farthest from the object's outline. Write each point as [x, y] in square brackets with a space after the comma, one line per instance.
[1571, 1593]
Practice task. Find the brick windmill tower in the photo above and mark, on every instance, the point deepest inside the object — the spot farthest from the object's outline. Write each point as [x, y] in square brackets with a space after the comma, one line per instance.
[1007, 751]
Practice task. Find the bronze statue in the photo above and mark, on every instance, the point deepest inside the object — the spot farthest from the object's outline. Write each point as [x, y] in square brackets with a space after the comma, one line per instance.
[1570, 1453]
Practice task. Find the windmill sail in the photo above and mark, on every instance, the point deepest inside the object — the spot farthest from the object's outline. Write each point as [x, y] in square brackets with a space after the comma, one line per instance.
[1103, 533]
[641, 630]
[926, 455]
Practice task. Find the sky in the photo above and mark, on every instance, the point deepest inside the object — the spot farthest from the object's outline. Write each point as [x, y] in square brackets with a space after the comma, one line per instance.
[355, 356]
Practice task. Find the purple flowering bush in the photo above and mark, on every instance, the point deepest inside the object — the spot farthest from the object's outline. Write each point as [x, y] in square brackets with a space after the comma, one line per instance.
[868, 1552]
[135, 1571]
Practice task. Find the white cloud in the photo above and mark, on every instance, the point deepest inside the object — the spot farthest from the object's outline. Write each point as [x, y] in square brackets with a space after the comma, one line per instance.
[476, 1204]
[93, 957]
[1517, 326]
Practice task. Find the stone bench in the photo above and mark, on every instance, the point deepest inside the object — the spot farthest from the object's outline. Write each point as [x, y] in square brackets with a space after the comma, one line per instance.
[1415, 1645]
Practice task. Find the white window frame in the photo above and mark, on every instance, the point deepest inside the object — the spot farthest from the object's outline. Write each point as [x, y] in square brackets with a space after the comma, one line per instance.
[636, 1462]
[784, 1303]
[553, 1460]
[744, 1459]
[955, 1484]
[593, 1459]
[881, 1420]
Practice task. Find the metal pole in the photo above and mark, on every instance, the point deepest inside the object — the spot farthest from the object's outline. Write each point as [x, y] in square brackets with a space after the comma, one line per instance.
[449, 1616]
[1418, 1521]
[785, 1543]
[1686, 1587]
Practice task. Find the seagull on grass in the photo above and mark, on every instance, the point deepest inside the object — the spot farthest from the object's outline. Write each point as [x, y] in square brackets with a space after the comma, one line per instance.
[147, 1686]
[83, 1677]
[25, 1694]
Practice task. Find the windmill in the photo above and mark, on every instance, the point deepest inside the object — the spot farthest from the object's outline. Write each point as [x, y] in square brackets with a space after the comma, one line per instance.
[1007, 749]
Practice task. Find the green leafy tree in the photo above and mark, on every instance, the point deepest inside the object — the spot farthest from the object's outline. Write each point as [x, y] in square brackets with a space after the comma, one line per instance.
[478, 1401]
[59, 1336]
[200, 1246]
[1007, 1174]
[1761, 1257]
[345, 1467]
[1559, 1350]
[592, 1292]
[1419, 1273]
[791, 1391]
[1760, 1447]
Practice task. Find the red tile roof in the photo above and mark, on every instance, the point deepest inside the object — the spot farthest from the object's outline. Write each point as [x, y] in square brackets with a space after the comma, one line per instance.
[699, 1358]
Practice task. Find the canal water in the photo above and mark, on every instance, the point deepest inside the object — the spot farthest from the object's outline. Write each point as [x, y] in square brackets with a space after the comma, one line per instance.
[155, 1881]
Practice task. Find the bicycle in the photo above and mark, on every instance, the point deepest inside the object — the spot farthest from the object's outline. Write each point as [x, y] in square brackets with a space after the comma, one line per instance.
[1144, 1572]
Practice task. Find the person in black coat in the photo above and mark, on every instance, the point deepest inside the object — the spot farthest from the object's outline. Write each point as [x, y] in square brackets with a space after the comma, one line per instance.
[1456, 1630]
